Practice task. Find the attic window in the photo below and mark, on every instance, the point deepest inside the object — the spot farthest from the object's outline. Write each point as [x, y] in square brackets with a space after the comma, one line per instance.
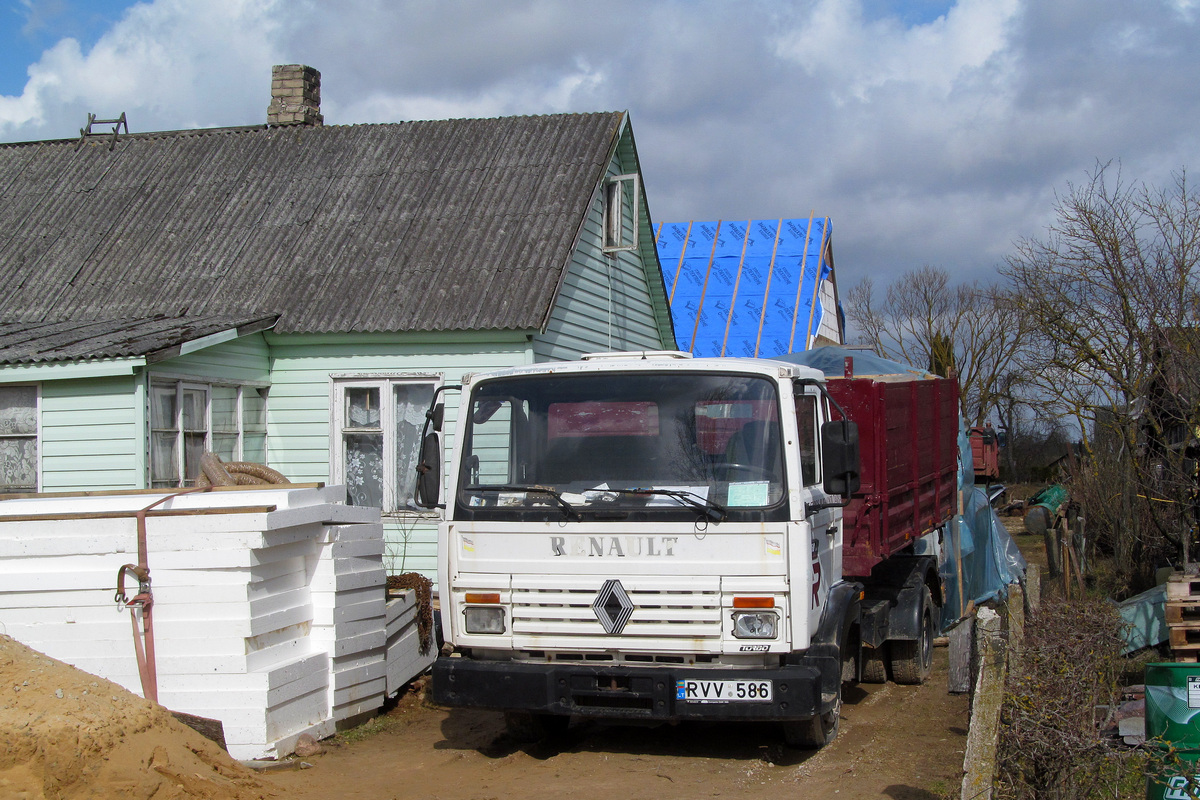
[621, 213]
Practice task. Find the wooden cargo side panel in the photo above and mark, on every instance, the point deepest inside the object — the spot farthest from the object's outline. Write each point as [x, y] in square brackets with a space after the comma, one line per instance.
[908, 433]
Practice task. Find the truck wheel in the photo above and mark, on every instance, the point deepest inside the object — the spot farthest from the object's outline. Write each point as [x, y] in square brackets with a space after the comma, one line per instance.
[529, 726]
[912, 660]
[815, 732]
[874, 667]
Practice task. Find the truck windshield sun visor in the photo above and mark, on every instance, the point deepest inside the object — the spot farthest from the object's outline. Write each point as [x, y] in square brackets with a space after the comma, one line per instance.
[631, 445]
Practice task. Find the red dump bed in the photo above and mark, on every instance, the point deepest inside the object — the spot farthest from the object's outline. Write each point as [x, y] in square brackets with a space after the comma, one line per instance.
[985, 452]
[908, 437]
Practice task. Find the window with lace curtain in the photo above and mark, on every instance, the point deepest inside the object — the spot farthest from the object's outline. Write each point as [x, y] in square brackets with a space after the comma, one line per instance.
[18, 439]
[188, 418]
[377, 438]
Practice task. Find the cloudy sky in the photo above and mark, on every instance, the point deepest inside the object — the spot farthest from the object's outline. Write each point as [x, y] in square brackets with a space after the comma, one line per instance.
[930, 131]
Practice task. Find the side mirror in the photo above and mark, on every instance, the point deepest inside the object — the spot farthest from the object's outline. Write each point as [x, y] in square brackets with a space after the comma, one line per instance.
[429, 472]
[435, 415]
[840, 461]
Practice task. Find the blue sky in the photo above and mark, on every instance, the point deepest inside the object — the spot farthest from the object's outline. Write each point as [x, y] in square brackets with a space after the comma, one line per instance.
[30, 27]
[931, 131]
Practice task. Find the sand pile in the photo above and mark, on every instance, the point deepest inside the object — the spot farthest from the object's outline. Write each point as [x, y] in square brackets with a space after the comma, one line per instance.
[67, 734]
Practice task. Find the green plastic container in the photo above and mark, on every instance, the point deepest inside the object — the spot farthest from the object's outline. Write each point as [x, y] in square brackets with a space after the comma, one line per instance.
[1179, 782]
[1173, 704]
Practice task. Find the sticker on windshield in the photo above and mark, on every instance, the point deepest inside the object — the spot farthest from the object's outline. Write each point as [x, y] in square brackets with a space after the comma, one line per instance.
[750, 493]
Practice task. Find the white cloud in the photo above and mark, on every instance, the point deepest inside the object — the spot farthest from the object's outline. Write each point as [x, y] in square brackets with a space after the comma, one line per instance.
[859, 57]
[168, 64]
[937, 142]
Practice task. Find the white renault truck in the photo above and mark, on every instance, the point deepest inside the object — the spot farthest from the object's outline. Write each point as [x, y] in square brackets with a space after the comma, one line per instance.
[651, 536]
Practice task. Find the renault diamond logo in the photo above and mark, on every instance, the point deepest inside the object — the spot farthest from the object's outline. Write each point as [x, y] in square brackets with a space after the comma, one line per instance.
[612, 607]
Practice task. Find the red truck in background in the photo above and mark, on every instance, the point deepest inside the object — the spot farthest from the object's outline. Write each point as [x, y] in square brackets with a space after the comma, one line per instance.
[985, 453]
[655, 537]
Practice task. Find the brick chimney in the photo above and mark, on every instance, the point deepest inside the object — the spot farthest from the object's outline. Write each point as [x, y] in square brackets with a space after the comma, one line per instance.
[295, 96]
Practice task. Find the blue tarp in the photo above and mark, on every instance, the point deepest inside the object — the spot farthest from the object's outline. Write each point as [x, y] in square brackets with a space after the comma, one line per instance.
[990, 558]
[748, 288]
[831, 360]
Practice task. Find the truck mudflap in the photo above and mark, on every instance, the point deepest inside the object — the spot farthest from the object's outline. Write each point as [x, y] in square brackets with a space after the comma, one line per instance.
[651, 693]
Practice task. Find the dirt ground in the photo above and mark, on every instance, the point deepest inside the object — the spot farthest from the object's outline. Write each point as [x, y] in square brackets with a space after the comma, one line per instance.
[898, 742]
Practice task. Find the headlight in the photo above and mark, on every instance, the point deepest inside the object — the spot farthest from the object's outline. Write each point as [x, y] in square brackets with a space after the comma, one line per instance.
[755, 624]
[484, 619]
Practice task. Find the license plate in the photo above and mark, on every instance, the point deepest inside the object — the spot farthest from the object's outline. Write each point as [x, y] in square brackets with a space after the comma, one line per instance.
[700, 691]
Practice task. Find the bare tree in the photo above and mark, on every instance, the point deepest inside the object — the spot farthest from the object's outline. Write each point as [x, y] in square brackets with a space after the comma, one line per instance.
[923, 320]
[1111, 292]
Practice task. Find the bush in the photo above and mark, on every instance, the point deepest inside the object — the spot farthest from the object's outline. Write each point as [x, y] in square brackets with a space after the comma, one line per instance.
[1052, 740]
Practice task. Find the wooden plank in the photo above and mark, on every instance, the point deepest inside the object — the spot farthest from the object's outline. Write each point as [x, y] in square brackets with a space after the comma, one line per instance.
[128, 492]
[1183, 587]
[211, 729]
[91, 515]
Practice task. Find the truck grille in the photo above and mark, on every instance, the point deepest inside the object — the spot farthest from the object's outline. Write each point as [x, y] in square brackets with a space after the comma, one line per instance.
[570, 615]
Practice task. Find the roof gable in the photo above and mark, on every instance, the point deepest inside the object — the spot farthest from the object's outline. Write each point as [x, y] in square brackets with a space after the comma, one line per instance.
[420, 226]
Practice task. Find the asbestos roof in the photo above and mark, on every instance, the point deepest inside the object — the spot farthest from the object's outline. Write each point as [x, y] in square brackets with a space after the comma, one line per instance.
[415, 226]
[154, 338]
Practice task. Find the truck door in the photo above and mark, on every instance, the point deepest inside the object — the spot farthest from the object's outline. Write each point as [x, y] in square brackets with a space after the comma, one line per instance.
[824, 525]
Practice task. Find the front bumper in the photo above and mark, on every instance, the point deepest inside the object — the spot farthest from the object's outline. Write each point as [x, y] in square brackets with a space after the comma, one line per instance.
[619, 692]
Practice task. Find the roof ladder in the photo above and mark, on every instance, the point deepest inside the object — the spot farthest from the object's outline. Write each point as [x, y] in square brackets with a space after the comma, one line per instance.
[86, 133]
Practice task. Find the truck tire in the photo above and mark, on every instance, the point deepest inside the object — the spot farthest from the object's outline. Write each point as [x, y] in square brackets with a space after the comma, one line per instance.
[815, 732]
[912, 659]
[530, 726]
[874, 665]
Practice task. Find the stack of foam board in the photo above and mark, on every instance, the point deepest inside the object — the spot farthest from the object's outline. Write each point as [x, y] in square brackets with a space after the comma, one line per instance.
[404, 657]
[269, 603]
[349, 593]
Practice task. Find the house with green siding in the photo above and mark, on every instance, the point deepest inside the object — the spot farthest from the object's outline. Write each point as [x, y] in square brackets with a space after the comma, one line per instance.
[293, 293]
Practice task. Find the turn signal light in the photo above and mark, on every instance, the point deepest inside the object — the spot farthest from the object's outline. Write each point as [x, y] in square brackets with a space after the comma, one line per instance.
[483, 597]
[754, 602]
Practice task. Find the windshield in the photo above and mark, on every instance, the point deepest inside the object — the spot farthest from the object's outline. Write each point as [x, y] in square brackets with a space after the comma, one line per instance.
[622, 445]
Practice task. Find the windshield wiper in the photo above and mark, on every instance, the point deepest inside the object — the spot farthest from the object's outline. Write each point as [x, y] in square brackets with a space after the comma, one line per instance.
[713, 511]
[567, 508]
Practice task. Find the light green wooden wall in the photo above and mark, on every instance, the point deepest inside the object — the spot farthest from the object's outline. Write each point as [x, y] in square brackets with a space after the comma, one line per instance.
[298, 411]
[246, 360]
[92, 434]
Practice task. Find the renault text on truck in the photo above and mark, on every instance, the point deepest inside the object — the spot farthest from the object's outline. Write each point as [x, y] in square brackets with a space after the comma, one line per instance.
[648, 536]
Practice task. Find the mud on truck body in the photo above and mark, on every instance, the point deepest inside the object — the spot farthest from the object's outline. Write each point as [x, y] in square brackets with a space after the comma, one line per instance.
[649, 536]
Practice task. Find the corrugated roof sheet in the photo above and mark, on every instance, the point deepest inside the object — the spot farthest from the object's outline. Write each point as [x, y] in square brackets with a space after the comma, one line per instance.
[69, 340]
[416, 226]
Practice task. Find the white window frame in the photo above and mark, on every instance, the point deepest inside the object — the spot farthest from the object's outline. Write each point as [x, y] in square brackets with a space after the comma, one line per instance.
[180, 385]
[36, 436]
[386, 383]
[618, 189]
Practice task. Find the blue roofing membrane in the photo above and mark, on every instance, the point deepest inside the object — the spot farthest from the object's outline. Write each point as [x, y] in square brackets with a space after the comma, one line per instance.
[746, 288]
